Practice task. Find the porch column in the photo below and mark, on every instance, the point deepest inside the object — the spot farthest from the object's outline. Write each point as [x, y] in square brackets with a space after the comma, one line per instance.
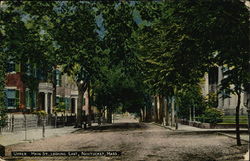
[46, 102]
[51, 102]
[76, 105]
[220, 77]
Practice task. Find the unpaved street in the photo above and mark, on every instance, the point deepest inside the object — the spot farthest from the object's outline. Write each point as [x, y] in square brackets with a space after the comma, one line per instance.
[137, 142]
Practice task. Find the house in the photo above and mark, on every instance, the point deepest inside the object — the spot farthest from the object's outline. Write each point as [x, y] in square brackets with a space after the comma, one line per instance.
[211, 83]
[66, 91]
[29, 89]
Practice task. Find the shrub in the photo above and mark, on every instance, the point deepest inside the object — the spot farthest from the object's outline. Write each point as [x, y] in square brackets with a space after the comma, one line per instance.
[213, 115]
[61, 107]
[40, 113]
[3, 117]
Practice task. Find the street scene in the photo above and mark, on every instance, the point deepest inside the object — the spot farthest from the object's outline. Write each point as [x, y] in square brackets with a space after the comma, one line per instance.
[125, 80]
[139, 141]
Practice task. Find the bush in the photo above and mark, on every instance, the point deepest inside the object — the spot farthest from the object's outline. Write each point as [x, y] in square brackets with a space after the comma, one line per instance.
[213, 115]
[40, 113]
[3, 117]
[61, 107]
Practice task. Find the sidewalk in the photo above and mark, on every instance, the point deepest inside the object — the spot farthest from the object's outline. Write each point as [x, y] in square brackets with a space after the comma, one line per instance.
[17, 137]
[225, 132]
[187, 128]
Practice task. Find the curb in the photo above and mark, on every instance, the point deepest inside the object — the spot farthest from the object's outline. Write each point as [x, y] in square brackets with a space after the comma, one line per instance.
[233, 137]
[200, 131]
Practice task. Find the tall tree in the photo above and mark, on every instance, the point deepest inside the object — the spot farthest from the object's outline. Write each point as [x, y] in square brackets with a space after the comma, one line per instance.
[26, 41]
[76, 36]
[2, 78]
[232, 44]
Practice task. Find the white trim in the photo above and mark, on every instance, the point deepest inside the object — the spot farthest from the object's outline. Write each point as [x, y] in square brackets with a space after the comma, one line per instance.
[10, 107]
[7, 87]
[14, 72]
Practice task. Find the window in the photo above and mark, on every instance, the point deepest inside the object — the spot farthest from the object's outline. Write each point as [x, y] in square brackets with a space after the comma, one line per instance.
[28, 98]
[57, 100]
[213, 75]
[11, 67]
[12, 100]
[67, 103]
[58, 78]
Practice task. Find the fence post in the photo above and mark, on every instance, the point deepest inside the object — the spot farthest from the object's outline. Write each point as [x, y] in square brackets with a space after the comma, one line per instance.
[12, 123]
[55, 119]
[25, 127]
[63, 120]
[66, 119]
[43, 118]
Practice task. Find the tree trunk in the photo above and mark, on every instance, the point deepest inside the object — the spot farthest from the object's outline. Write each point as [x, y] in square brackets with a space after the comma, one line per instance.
[79, 117]
[109, 115]
[141, 115]
[54, 86]
[156, 110]
[237, 120]
[165, 106]
[160, 99]
[172, 111]
[89, 106]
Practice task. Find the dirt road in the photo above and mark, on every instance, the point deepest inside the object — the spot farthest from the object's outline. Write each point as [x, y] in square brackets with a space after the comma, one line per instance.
[138, 142]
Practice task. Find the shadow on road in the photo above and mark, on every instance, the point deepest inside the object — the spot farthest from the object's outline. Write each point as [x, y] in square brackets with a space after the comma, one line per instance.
[114, 127]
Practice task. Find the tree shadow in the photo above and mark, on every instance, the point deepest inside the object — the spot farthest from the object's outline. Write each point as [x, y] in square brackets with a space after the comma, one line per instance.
[114, 127]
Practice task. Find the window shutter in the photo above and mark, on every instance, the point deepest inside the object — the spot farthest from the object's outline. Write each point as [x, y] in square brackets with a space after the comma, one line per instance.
[17, 67]
[5, 98]
[34, 99]
[17, 98]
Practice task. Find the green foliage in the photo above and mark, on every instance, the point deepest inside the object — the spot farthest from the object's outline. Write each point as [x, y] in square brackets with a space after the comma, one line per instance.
[212, 99]
[121, 84]
[231, 120]
[40, 113]
[61, 107]
[213, 115]
[146, 48]
[189, 98]
[3, 110]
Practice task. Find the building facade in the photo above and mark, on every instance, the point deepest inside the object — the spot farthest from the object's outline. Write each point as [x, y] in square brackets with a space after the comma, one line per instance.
[225, 101]
[28, 89]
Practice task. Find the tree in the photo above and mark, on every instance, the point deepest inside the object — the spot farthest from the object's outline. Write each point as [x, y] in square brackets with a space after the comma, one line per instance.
[26, 41]
[233, 51]
[179, 52]
[75, 34]
[191, 102]
[170, 52]
[2, 85]
[122, 67]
